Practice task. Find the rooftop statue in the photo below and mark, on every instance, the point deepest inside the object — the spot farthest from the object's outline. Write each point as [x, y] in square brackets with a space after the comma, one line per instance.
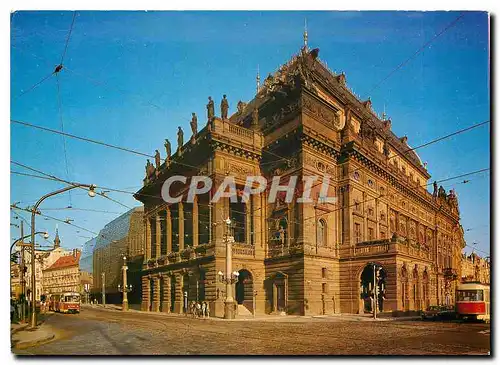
[210, 109]
[180, 139]
[224, 107]
[168, 148]
[157, 160]
[194, 124]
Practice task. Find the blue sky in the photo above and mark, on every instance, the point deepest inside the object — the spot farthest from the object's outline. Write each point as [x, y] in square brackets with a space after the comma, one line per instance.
[133, 77]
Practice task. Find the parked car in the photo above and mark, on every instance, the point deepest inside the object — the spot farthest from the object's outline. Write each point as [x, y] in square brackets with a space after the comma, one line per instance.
[439, 312]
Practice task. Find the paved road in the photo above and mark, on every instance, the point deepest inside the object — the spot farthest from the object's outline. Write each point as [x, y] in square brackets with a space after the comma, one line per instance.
[104, 332]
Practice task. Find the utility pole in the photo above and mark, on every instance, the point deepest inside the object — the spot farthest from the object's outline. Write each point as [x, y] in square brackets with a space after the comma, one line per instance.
[103, 280]
[23, 286]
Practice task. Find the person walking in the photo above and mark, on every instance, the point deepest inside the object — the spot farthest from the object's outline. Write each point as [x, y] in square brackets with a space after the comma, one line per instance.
[204, 309]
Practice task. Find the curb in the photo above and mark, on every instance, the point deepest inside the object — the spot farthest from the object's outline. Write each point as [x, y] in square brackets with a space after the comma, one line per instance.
[26, 344]
[20, 328]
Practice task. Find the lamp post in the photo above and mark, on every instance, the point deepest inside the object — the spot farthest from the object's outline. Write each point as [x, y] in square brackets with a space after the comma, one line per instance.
[34, 211]
[126, 288]
[230, 277]
[23, 264]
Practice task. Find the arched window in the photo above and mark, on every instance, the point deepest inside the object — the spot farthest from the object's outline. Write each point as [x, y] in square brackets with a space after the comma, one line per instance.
[321, 233]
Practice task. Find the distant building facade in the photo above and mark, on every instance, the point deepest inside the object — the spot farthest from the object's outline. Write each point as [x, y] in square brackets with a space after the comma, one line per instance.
[309, 258]
[475, 268]
[63, 275]
[124, 236]
[44, 259]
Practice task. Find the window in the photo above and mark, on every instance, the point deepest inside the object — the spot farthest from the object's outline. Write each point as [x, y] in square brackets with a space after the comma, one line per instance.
[321, 233]
[324, 288]
[357, 232]
[323, 273]
[370, 211]
[356, 175]
[470, 295]
[370, 234]
[370, 182]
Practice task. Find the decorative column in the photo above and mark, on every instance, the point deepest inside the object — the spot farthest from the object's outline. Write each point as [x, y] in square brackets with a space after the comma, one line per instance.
[257, 228]
[148, 239]
[195, 221]
[248, 221]
[156, 294]
[145, 293]
[165, 304]
[179, 295]
[158, 235]
[168, 232]
[181, 226]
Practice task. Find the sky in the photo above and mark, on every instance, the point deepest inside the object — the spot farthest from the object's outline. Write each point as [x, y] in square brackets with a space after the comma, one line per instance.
[130, 78]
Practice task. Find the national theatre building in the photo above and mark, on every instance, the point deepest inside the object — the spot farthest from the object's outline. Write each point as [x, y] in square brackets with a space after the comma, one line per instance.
[300, 258]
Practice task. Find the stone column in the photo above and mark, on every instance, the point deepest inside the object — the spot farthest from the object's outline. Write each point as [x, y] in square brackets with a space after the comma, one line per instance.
[248, 221]
[181, 226]
[156, 294]
[179, 295]
[165, 304]
[168, 232]
[148, 239]
[257, 228]
[158, 235]
[195, 221]
[145, 293]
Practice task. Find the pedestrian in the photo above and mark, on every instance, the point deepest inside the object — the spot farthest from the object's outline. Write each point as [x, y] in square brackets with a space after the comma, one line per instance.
[207, 309]
[198, 309]
[12, 309]
[204, 309]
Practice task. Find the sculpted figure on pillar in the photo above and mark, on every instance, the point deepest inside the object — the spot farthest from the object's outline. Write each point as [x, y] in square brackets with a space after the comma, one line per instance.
[180, 139]
[210, 109]
[194, 124]
[435, 192]
[255, 117]
[224, 107]
[168, 148]
[157, 160]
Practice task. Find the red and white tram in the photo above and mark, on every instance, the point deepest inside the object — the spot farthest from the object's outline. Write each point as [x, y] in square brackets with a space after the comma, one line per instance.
[65, 302]
[473, 301]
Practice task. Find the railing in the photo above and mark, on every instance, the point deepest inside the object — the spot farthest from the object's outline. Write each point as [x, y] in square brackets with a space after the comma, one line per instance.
[372, 247]
[243, 250]
[234, 129]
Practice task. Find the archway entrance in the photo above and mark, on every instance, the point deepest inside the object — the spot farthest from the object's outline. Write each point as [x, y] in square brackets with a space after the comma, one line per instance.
[244, 289]
[367, 284]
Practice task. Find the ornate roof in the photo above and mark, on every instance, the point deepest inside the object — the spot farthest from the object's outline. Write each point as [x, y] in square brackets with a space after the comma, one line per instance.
[308, 71]
[66, 261]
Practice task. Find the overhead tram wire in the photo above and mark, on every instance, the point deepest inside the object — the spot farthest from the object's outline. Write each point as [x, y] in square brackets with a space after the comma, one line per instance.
[34, 86]
[196, 167]
[292, 221]
[419, 50]
[68, 182]
[59, 103]
[68, 38]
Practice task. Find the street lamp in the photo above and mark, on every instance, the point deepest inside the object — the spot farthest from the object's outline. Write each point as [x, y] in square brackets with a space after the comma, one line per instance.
[230, 277]
[45, 235]
[126, 288]
[34, 211]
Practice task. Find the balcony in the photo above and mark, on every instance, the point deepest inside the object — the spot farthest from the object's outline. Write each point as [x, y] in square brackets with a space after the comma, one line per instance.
[243, 250]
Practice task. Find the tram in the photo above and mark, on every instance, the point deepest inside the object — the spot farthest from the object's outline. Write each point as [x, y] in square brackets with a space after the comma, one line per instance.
[65, 302]
[473, 301]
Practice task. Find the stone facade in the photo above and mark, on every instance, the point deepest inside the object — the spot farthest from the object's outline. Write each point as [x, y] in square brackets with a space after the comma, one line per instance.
[302, 258]
[63, 276]
[475, 268]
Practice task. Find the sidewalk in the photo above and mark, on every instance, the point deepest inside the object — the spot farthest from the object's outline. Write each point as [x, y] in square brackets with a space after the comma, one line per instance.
[341, 317]
[22, 336]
